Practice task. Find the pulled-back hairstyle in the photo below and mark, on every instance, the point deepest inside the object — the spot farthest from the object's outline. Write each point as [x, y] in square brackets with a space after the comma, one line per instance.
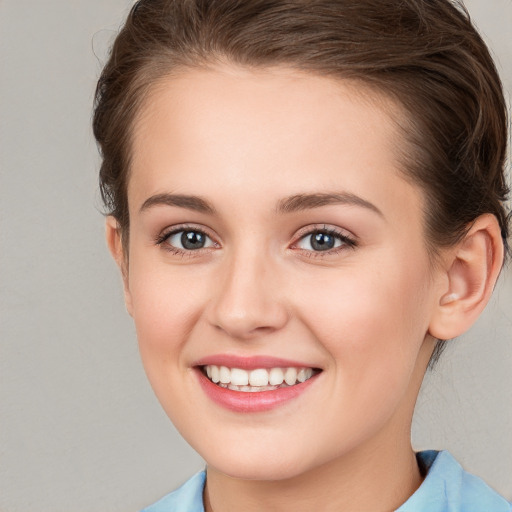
[425, 55]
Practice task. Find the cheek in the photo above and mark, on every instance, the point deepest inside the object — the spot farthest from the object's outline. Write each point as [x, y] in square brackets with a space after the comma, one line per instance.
[372, 319]
[165, 303]
[372, 329]
[166, 307]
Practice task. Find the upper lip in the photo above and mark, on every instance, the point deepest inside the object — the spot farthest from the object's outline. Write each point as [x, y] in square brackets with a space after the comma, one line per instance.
[250, 362]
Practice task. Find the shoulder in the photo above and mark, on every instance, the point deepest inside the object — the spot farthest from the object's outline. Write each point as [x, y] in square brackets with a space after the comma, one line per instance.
[448, 488]
[189, 497]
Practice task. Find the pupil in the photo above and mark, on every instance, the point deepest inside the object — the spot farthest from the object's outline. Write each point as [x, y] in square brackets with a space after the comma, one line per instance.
[322, 241]
[192, 240]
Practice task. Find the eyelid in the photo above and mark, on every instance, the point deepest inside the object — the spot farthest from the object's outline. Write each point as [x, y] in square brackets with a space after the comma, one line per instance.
[164, 235]
[349, 240]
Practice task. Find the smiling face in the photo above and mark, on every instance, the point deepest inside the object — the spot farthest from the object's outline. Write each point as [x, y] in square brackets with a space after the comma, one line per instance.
[270, 229]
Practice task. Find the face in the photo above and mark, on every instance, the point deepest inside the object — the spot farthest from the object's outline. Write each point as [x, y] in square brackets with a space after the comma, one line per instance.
[272, 237]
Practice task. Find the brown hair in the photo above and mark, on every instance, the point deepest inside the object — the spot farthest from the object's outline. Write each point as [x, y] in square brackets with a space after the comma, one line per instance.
[423, 54]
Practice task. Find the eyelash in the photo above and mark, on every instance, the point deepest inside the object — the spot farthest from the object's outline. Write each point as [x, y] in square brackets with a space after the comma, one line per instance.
[162, 238]
[346, 241]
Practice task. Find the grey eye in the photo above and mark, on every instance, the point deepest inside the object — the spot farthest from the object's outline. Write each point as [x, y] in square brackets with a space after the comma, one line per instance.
[320, 241]
[190, 240]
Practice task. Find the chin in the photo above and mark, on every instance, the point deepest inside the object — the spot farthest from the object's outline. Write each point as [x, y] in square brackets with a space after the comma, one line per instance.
[258, 466]
[264, 472]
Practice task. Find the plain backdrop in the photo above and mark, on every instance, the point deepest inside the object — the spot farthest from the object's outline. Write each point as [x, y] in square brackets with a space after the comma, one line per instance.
[80, 430]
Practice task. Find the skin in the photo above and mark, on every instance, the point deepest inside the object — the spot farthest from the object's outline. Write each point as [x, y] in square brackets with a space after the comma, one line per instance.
[365, 314]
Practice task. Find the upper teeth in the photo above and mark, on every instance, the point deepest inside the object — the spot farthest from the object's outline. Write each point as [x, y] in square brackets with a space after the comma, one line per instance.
[258, 377]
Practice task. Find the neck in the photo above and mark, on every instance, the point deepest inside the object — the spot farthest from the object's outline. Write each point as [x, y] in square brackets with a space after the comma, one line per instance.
[376, 478]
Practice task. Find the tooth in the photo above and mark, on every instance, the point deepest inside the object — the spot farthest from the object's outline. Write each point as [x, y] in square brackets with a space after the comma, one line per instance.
[290, 376]
[258, 377]
[239, 377]
[275, 377]
[224, 375]
[215, 373]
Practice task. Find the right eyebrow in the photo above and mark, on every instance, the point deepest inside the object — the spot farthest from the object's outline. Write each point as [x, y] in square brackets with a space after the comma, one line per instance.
[194, 203]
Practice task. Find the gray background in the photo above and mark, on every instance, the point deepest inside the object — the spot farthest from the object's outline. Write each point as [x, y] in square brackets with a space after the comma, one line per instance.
[80, 429]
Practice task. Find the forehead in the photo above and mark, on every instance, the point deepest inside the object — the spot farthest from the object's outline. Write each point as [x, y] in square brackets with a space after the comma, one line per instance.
[269, 133]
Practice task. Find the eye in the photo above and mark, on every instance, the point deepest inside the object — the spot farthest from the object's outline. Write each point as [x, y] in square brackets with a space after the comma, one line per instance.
[187, 240]
[324, 240]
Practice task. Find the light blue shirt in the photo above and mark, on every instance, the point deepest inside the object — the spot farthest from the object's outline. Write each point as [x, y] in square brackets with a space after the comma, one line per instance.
[446, 488]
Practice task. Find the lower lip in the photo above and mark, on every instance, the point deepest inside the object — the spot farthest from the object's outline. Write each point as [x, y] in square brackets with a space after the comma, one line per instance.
[258, 401]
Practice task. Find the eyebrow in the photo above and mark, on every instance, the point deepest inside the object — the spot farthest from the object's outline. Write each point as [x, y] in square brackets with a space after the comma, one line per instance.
[297, 202]
[301, 202]
[194, 203]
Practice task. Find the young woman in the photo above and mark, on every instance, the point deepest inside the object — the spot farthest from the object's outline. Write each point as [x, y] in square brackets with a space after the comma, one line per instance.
[305, 198]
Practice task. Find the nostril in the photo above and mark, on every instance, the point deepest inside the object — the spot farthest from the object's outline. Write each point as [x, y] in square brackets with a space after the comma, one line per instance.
[250, 325]
[246, 303]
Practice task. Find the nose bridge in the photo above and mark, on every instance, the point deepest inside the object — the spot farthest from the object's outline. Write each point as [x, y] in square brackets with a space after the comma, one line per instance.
[248, 300]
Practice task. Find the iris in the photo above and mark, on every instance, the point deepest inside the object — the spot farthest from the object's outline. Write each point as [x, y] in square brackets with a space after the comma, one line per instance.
[193, 240]
[322, 241]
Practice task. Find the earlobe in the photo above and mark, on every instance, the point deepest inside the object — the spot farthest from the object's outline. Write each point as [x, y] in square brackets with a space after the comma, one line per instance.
[113, 239]
[472, 268]
[115, 245]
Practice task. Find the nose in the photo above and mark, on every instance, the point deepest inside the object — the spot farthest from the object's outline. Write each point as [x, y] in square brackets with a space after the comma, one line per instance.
[249, 300]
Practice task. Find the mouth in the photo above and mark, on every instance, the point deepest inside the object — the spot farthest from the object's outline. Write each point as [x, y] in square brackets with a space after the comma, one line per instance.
[259, 379]
[254, 384]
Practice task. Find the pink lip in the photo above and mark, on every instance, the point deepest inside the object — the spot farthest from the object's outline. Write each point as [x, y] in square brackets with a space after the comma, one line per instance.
[246, 402]
[249, 363]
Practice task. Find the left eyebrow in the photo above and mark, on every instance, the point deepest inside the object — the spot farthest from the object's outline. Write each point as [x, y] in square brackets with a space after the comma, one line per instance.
[194, 203]
[300, 202]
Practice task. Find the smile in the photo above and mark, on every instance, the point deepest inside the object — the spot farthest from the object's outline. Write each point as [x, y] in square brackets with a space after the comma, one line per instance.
[256, 380]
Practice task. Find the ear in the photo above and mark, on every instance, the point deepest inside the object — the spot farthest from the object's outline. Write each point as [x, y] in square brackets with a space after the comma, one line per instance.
[471, 269]
[115, 245]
